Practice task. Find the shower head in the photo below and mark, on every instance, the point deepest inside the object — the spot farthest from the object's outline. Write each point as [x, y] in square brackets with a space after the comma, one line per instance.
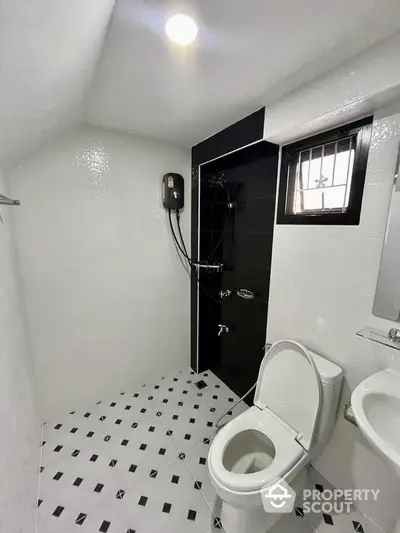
[217, 181]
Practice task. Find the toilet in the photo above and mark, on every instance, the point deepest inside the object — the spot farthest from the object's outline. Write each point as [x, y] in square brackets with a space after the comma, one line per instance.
[294, 411]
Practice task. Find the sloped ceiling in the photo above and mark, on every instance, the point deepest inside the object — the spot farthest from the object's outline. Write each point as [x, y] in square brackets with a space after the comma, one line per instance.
[48, 53]
[248, 53]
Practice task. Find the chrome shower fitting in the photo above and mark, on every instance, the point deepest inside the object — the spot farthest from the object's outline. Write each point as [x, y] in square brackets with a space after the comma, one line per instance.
[222, 329]
[242, 293]
[225, 294]
[394, 334]
[209, 267]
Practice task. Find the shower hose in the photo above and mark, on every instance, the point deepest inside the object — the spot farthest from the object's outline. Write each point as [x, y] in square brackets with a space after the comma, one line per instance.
[218, 424]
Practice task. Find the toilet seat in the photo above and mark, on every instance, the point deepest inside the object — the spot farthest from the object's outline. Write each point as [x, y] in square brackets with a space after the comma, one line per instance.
[295, 395]
[288, 451]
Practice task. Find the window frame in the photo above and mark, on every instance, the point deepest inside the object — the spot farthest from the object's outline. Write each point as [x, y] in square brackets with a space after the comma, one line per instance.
[362, 129]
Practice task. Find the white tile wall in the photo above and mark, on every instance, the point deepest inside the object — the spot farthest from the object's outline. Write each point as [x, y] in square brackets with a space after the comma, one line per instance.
[357, 87]
[107, 297]
[322, 290]
[47, 73]
[19, 426]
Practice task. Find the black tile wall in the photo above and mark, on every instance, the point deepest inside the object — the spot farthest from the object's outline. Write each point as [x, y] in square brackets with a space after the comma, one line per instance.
[242, 240]
[242, 133]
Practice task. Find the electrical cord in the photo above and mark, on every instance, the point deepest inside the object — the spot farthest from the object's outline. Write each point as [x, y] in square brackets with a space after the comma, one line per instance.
[183, 251]
[178, 223]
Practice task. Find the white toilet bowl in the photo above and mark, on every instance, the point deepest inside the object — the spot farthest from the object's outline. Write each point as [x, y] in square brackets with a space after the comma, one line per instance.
[296, 397]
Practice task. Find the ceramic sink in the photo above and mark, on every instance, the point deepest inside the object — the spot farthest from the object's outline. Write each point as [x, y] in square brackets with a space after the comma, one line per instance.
[376, 407]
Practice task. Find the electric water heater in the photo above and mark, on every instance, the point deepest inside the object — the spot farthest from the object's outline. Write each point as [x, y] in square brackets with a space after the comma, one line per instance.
[173, 191]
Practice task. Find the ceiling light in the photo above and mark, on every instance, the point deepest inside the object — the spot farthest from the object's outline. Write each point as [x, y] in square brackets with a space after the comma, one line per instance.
[181, 29]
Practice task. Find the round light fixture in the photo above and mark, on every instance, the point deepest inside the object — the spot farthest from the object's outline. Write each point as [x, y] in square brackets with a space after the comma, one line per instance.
[181, 29]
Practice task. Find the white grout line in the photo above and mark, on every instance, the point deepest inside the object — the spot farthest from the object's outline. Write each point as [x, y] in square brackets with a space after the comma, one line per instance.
[198, 273]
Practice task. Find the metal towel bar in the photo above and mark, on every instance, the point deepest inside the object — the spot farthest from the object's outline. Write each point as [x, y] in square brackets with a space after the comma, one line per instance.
[4, 200]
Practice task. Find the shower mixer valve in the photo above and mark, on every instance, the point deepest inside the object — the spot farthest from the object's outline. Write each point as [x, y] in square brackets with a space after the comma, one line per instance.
[225, 294]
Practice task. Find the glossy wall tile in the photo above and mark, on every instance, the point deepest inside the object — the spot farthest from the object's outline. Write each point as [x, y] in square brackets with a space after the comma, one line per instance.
[323, 283]
[19, 428]
[102, 279]
[236, 214]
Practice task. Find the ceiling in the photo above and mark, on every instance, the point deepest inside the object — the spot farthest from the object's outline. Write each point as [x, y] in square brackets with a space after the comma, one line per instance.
[48, 52]
[248, 54]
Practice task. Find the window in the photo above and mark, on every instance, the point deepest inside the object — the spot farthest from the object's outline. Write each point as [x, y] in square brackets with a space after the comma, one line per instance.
[322, 178]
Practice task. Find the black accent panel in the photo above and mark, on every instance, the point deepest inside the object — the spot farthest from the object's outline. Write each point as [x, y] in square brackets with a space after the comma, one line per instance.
[246, 131]
[237, 211]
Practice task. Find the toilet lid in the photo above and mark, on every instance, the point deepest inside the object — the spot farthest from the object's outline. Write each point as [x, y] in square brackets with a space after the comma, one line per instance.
[289, 385]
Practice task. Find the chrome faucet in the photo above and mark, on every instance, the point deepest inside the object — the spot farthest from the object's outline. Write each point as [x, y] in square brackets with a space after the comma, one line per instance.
[394, 334]
[222, 329]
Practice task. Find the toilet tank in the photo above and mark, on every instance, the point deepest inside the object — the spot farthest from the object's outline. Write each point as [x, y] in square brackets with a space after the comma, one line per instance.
[331, 383]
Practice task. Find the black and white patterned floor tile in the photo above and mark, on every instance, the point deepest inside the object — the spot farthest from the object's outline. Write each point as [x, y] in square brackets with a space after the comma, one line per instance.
[352, 522]
[122, 465]
[137, 463]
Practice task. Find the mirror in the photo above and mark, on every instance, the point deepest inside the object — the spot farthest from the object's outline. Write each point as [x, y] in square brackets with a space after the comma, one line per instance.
[387, 296]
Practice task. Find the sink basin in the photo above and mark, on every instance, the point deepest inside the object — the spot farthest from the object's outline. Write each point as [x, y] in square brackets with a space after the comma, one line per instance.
[376, 407]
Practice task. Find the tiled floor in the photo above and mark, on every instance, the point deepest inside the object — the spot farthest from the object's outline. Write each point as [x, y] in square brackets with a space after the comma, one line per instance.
[137, 464]
[331, 523]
